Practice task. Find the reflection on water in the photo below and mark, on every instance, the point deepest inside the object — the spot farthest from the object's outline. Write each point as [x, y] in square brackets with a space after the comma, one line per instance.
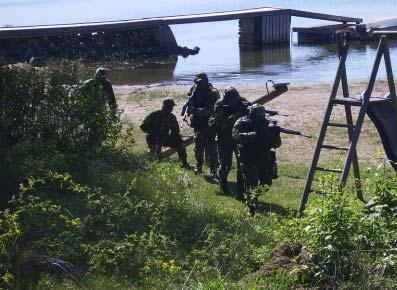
[148, 72]
[295, 64]
[254, 57]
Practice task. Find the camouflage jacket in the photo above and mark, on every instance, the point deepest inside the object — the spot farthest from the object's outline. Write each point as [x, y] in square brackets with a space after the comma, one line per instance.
[160, 124]
[202, 103]
[225, 116]
[254, 138]
[93, 86]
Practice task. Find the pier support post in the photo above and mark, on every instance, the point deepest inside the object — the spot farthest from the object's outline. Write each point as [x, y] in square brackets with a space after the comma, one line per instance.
[268, 29]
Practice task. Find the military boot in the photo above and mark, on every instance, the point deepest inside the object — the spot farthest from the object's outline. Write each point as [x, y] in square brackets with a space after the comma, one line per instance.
[223, 181]
[151, 150]
[223, 186]
[198, 169]
[214, 173]
[185, 164]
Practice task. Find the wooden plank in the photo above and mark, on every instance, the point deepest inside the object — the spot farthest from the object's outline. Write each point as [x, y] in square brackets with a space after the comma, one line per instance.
[284, 20]
[276, 28]
[321, 16]
[392, 31]
[287, 28]
[265, 35]
[320, 29]
[279, 27]
[379, 23]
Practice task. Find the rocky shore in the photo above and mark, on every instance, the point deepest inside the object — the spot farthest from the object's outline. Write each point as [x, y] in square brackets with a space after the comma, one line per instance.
[148, 42]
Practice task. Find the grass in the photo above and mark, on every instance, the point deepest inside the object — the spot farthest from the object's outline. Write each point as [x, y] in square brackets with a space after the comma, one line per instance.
[278, 205]
[211, 211]
[210, 229]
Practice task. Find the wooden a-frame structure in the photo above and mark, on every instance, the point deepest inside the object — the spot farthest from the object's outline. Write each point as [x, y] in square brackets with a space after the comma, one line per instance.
[354, 130]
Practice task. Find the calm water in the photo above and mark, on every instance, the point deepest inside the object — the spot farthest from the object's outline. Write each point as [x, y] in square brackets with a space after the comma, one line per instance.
[220, 53]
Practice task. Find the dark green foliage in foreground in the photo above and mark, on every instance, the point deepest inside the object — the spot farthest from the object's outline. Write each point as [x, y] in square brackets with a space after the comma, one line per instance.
[349, 242]
[158, 234]
[154, 238]
[46, 121]
[49, 107]
[135, 224]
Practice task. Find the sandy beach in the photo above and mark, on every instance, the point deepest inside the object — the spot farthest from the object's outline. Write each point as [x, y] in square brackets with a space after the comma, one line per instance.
[304, 103]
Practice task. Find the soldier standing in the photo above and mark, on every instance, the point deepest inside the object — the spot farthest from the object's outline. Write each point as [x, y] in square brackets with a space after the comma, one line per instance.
[202, 98]
[227, 110]
[101, 83]
[254, 137]
[162, 129]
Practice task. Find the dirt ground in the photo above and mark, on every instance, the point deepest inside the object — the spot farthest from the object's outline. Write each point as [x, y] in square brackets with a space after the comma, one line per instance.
[304, 103]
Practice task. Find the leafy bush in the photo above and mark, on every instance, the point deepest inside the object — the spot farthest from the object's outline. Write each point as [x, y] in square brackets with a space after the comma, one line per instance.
[58, 217]
[41, 224]
[49, 106]
[330, 233]
[48, 123]
[342, 235]
[151, 235]
[136, 255]
[382, 220]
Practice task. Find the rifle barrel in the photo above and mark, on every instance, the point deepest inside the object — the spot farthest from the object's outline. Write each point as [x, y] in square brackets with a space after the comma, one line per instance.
[275, 113]
[293, 132]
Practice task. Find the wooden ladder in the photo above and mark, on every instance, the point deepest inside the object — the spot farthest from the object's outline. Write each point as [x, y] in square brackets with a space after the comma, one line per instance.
[354, 130]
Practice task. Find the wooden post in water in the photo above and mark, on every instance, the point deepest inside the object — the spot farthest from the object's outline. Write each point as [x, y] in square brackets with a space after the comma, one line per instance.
[268, 29]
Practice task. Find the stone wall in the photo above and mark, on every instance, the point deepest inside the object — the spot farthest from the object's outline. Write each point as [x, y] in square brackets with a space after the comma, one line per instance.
[148, 42]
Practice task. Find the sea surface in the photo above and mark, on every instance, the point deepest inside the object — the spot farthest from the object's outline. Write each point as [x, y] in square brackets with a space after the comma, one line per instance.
[220, 56]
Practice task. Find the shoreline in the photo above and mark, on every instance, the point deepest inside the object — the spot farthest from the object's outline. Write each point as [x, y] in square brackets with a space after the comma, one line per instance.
[224, 84]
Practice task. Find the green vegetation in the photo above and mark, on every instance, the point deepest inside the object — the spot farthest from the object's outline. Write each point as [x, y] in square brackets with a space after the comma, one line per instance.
[133, 223]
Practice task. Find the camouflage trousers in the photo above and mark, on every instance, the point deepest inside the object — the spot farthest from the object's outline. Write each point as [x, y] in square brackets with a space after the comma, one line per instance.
[225, 155]
[155, 144]
[204, 141]
[254, 170]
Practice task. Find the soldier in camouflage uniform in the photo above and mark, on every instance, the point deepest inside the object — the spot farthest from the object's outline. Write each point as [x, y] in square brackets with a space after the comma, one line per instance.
[162, 129]
[227, 110]
[202, 98]
[100, 83]
[254, 137]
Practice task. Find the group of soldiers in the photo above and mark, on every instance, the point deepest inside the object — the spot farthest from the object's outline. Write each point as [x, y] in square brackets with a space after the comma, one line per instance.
[221, 125]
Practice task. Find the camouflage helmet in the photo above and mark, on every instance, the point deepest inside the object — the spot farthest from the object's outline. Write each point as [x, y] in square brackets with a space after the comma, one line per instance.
[101, 72]
[256, 111]
[231, 95]
[169, 102]
[201, 77]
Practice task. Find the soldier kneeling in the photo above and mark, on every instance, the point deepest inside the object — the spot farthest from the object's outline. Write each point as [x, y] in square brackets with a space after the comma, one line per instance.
[255, 136]
[162, 130]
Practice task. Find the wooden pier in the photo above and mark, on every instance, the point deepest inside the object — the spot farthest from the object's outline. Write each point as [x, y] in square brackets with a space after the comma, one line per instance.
[366, 30]
[260, 25]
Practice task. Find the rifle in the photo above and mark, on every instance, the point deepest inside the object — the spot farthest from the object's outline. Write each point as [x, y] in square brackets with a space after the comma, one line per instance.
[184, 114]
[188, 108]
[293, 132]
[275, 113]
